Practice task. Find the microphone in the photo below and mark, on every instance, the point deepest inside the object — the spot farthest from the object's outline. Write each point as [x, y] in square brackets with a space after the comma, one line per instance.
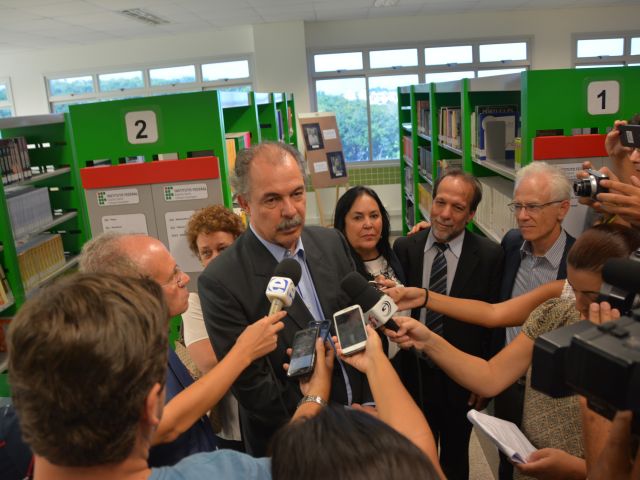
[378, 307]
[281, 289]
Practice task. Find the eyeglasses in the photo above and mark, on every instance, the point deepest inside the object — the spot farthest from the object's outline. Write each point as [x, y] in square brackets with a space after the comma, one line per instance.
[176, 278]
[532, 208]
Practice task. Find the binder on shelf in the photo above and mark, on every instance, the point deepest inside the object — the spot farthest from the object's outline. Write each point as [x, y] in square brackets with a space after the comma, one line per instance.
[486, 128]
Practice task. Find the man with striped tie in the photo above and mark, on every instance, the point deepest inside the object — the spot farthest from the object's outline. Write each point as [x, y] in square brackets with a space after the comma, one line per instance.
[449, 259]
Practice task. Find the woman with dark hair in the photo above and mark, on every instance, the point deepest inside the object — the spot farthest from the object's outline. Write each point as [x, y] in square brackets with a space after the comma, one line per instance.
[362, 219]
[552, 425]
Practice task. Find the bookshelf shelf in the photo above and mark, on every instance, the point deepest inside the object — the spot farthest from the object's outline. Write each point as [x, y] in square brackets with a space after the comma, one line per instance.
[41, 177]
[406, 127]
[426, 178]
[424, 213]
[56, 221]
[69, 264]
[487, 231]
[451, 149]
[425, 137]
[6, 306]
[31, 121]
[503, 170]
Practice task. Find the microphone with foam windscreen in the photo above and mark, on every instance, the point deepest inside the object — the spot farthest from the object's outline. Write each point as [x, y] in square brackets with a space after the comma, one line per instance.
[281, 289]
[377, 307]
[621, 283]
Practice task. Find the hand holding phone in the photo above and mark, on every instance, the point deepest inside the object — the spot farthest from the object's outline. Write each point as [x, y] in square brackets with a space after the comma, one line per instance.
[350, 329]
[303, 354]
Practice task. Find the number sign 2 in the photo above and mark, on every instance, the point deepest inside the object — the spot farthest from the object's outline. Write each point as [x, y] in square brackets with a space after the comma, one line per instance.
[603, 97]
[142, 127]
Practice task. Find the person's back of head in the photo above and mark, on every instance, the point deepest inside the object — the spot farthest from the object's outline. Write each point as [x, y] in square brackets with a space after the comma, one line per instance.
[84, 354]
[598, 244]
[340, 443]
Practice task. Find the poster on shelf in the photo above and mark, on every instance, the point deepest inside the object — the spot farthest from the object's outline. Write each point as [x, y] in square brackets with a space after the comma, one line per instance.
[327, 165]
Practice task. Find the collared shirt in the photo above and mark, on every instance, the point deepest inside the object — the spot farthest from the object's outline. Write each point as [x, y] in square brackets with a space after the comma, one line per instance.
[535, 271]
[451, 254]
[305, 288]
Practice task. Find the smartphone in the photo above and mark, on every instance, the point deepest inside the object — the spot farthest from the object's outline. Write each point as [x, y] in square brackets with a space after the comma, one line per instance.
[350, 329]
[630, 135]
[303, 355]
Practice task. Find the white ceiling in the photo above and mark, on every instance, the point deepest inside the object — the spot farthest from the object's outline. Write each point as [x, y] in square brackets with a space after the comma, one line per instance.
[27, 25]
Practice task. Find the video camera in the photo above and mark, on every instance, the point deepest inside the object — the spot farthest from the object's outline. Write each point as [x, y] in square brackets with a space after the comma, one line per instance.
[600, 362]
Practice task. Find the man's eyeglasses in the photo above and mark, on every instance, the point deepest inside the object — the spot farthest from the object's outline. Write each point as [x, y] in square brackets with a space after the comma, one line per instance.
[532, 208]
[176, 278]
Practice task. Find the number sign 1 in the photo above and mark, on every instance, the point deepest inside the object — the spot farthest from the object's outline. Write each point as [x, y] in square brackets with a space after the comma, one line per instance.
[603, 97]
[142, 126]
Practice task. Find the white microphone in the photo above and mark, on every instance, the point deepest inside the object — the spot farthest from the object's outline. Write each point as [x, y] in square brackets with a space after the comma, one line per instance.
[281, 289]
[377, 306]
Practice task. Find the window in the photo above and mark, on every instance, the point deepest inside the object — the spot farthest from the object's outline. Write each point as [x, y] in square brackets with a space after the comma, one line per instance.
[233, 75]
[360, 85]
[6, 101]
[614, 50]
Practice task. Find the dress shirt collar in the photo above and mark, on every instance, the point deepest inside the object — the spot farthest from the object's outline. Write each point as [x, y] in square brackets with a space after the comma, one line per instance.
[455, 245]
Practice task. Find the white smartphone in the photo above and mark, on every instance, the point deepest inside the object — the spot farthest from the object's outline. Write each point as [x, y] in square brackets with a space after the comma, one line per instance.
[351, 330]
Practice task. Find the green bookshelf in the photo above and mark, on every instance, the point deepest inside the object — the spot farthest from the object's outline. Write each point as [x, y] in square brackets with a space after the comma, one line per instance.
[548, 100]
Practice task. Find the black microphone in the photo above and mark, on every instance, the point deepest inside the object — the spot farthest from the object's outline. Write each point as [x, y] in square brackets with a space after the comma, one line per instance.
[281, 289]
[378, 307]
[623, 273]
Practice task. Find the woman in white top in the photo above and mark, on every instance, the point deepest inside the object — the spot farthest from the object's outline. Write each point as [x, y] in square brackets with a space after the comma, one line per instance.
[210, 231]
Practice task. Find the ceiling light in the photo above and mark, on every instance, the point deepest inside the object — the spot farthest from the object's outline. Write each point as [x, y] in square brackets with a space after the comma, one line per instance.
[385, 3]
[144, 16]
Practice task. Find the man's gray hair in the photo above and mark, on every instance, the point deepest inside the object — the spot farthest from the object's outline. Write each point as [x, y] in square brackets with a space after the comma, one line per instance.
[275, 150]
[105, 254]
[561, 188]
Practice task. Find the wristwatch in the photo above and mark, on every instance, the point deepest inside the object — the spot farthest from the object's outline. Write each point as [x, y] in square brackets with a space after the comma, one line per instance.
[314, 399]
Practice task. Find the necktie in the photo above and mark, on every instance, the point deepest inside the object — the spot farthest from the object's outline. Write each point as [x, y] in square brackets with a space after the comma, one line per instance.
[438, 284]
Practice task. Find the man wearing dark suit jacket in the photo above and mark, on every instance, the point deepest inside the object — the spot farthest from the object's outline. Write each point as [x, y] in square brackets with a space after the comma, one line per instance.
[473, 269]
[535, 254]
[270, 185]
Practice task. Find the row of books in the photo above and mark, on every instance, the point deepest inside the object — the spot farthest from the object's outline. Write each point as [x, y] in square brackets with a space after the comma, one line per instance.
[493, 212]
[424, 117]
[425, 162]
[450, 128]
[425, 197]
[494, 129]
[39, 257]
[407, 148]
[15, 165]
[6, 295]
[29, 209]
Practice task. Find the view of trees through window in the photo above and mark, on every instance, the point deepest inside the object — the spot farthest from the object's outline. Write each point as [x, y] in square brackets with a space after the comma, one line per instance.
[361, 87]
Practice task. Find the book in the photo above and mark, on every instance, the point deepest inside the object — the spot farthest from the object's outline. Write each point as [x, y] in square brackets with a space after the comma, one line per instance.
[505, 435]
[488, 114]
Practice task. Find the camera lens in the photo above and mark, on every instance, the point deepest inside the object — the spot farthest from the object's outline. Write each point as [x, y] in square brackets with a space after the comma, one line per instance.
[582, 188]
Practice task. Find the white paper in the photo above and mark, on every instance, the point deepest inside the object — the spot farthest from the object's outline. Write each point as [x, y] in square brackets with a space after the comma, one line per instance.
[178, 246]
[504, 435]
[329, 134]
[131, 223]
[320, 167]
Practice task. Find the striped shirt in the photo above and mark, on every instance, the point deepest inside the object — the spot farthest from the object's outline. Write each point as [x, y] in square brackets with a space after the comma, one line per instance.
[535, 271]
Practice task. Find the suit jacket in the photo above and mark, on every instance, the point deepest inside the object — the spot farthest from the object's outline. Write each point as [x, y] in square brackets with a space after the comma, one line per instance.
[477, 277]
[511, 244]
[232, 293]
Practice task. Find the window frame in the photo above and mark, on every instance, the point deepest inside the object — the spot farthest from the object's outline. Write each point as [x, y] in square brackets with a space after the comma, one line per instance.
[8, 103]
[625, 59]
[147, 89]
[420, 69]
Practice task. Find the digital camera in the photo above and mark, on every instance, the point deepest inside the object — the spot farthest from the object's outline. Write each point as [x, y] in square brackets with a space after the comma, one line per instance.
[590, 186]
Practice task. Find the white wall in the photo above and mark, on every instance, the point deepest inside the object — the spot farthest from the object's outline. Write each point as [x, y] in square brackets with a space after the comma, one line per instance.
[28, 71]
[551, 29]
